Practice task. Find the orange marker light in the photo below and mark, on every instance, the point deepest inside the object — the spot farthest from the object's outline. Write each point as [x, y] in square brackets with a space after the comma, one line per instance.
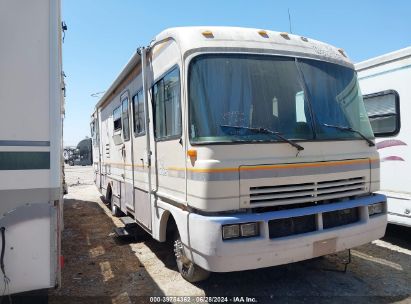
[263, 33]
[192, 153]
[208, 34]
[285, 35]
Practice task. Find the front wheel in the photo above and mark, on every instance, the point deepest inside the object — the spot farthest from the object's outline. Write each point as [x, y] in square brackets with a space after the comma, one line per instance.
[188, 270]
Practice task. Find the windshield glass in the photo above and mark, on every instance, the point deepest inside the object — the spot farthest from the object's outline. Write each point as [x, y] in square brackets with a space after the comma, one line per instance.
[336, 99]
[271, 92]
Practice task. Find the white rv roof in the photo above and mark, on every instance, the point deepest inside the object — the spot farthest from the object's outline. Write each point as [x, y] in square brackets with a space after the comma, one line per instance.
[238, 39]
[189, 38]
[383, 59]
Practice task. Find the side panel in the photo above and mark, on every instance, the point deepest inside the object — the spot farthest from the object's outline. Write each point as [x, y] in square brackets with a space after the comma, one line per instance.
[29, 264]
[117, 148]
[112, 161]
[96, 148]
[125, 165]
[169, 153]
[30, 143]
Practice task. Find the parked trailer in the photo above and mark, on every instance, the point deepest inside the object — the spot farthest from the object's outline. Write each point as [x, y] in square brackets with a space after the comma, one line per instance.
[30, 145]
[385, 82]
[232, 142]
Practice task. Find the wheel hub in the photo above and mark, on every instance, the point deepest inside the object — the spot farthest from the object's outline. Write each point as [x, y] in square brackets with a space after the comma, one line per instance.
[179, 253]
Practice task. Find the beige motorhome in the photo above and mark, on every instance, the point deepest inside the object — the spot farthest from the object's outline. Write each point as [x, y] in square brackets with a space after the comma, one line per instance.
[247, 148]
[31, 98]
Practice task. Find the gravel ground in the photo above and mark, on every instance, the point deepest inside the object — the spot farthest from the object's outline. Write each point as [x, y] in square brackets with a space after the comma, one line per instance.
[99, 268]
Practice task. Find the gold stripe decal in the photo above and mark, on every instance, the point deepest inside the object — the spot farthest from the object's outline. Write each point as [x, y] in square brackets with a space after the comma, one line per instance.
[261, 167]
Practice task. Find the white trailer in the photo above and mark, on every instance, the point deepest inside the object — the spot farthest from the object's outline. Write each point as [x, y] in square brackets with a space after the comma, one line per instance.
[385, 82]
[248, 148]
[31, 101]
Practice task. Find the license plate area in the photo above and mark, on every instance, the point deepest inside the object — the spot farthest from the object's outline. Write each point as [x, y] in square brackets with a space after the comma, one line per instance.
[324, 247]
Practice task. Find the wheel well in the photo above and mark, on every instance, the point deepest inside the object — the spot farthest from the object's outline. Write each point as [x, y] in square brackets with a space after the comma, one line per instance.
[109, 193]
[171, 228]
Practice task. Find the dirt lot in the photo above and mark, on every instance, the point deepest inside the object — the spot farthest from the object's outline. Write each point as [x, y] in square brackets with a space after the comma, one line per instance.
[99, 268]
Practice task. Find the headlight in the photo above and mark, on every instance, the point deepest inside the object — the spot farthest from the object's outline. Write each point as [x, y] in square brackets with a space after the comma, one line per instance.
[240, 230]
[249, 229]
[231, 231]
[376, 209]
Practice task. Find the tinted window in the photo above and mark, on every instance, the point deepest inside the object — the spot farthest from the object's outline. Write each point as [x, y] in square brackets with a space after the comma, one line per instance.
[383, 111]
[117, 118]
[167, 110]
[92, 129]
[95, 132]
[139, 119]
[125, 119]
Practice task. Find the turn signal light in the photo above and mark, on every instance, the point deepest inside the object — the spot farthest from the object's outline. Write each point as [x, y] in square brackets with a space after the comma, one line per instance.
[192, 153]
[376, 209]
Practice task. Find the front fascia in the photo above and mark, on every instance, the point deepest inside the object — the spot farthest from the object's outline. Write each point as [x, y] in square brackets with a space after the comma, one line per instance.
[222, 176]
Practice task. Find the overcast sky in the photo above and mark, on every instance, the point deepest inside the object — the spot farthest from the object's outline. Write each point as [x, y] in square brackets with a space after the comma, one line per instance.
[103, 34]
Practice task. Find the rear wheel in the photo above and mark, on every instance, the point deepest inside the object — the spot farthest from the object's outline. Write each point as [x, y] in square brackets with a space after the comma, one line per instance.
[188, 270]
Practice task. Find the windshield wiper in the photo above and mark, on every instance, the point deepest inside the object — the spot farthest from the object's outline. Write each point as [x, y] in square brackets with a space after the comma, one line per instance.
[349, 129]
[266, 131]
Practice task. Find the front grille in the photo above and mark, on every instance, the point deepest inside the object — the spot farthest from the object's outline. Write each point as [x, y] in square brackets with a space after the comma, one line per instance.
[291, 226]
[340, 217]
[306, 192]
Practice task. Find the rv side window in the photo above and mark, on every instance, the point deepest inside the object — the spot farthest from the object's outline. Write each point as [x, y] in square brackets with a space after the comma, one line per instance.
[97, 132]
[167, 109]
[125, 119]
[139, 120]
[117, 118]
[383, 109]
[94, 132]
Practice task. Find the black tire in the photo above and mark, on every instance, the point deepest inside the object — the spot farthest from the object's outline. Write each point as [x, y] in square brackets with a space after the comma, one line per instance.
[188, 270]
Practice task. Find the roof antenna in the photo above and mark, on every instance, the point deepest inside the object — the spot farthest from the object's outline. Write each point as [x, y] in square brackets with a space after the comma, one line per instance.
[289, 21]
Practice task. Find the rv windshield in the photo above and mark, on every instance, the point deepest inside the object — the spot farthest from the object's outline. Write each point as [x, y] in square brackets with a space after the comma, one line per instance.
[293, 97]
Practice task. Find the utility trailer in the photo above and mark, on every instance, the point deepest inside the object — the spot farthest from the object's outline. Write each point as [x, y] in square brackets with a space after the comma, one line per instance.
[385, 82]
[31, 99]
[246, 148]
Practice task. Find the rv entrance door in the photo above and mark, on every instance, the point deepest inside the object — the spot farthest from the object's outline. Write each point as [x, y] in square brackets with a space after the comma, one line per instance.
[126, 155]
[141, 163]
